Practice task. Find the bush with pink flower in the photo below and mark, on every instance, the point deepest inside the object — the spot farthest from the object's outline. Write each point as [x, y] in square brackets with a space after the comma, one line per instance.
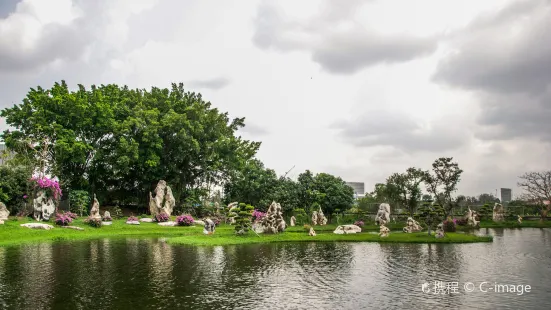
[185, 220]
[258, 215]
[359, 223]
[50, 186]
[63, 219]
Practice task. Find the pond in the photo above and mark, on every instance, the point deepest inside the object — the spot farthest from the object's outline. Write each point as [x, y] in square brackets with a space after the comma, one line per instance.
[150, 274]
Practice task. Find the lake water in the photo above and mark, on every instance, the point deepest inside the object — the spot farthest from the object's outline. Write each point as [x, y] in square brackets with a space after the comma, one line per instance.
[150, 274]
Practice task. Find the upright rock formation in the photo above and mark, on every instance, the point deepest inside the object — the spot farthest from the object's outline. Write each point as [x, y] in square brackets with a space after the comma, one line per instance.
[43, 206]
[232, 207]
[499, 213]
[440, 231]
[318, 218]
[519, 219]
[471, 218]
[293, 221]
[412, 226]
[209, 227]
[272, 222]
[94, 211]
[312, 232]
[4, 212]
[164, 201]
[383, 215]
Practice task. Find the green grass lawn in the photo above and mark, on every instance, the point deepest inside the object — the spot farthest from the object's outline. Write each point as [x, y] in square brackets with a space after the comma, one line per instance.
[12, 234]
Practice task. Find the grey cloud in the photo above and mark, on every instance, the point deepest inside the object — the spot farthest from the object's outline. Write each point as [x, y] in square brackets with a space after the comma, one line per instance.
[506, 59]
[344, 52]
[215, 83]
[7, 7]
[381, 128]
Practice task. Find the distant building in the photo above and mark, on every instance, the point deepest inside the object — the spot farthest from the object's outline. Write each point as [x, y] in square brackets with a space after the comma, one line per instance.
[359, 188]
[506, 195]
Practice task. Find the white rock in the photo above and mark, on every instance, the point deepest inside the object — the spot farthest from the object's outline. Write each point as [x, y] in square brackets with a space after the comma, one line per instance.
[312, 232]
[198, 222]
[72, 227]
[4, 212]
[133, 222]
[106, 214]
[37, 226]
[412, 226]
[439, 231]
[384, 231]
[168, 223]
[94, 211]
[43, 206]
[498, 214]
[106, 223]
[209, 227]
[293, 221]
[347, 229]
[383, 215]
[318, 218]
[146, 220]
[1, 222]
[163, 201]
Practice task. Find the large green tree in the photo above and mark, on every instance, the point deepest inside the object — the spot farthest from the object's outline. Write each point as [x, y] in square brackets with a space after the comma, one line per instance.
[118, 142]
[404, 188]
[442, 182]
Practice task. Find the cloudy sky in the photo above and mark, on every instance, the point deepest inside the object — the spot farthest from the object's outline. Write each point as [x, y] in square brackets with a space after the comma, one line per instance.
[359, 89]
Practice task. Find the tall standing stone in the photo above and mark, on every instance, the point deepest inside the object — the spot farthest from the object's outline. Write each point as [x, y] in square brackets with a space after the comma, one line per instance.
[94, 211]
[163, 201]
[43, 206]
[4, 212]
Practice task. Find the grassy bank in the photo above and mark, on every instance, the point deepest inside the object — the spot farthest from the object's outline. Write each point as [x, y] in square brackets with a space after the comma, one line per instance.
[12, 234]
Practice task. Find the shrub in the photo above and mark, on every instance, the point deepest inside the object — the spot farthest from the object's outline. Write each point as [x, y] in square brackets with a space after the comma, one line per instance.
[243, 218]
[258, 215]
[161, 217]
[359, 223]
[300, 216]
[461, 222]
[79, 201]
[184, 220]
[72, 215]
[63, 219]
[117, 212]
[450, 225]
[307, 227]
[94, 222]
[132, 219]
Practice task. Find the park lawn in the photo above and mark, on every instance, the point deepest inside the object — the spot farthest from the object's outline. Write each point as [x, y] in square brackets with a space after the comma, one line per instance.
[12, 234]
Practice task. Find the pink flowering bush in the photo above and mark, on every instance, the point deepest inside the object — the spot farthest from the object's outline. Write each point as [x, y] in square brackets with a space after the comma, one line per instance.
[72, 215]
[161, 217]
[50, 185]
[359, 223]
[132, 219]
[184, 220]
[63, 219]
[258, 215]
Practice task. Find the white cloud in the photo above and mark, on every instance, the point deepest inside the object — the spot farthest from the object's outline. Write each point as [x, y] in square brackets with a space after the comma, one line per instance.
[294, 93]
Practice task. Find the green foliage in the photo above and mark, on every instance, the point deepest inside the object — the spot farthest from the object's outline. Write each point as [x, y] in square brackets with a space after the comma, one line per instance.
[118, 142]
[442, 182]
[335, 193]
[94, 222]
[116, 212]
[403, 188]
[243, 218]
[79, 201]
[300, 216]
[485, 212]
[431, 214]
[14, 185]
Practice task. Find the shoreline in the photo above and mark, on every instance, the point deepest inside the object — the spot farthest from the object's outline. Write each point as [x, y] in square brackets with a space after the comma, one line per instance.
[11, 234]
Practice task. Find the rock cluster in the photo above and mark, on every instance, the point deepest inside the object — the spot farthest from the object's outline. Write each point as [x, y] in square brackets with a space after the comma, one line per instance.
[312, 232]
[318, 218]
[37, 226]
[498, 213]
[384, 231]
[412, 226]
[471, 218]
[272, 222]
[209, 227]
[4, 212]
[94, 211]
[43, 206]
[383, 215]
[164, 201]
[347, 229]
[439, 231]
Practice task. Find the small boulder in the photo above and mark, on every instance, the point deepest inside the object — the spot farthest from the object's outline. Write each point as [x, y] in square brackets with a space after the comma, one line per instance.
[312, 232]
[199, 222]
[72, 227]
[37, 226]
[146, 220]
[1, 222]
[171, 223]
[106, 223]
[347, 229]
[133, 222]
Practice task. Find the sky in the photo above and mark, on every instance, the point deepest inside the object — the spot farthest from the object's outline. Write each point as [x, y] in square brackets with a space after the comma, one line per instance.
[358, 89]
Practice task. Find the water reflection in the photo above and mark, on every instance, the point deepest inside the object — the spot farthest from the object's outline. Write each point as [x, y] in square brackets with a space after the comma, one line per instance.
[148, 273]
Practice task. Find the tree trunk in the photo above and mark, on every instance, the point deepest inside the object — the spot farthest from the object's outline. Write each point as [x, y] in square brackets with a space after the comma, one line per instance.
[544, 214]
